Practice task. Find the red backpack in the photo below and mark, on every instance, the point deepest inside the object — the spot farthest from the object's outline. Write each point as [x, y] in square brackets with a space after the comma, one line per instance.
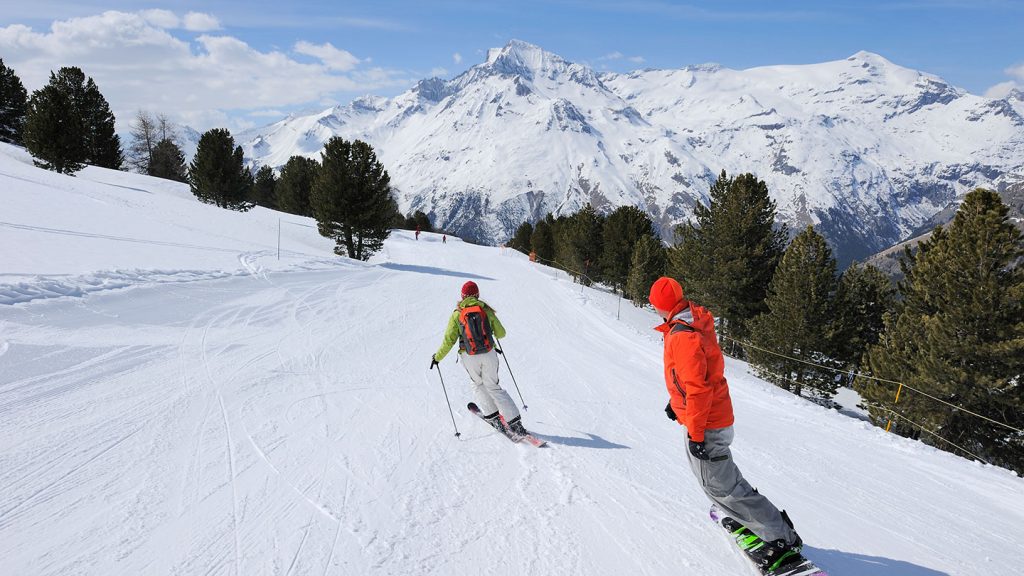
[475, 330]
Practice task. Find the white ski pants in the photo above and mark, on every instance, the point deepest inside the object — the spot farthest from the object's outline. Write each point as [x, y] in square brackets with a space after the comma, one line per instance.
[490, 397]
[725, 486]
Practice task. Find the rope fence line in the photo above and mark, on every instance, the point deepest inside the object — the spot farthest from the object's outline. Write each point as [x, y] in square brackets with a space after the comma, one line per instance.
[868, 376]
[923, 429]
[897, 415]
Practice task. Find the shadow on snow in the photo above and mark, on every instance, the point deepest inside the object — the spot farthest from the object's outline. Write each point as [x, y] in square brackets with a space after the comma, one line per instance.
[839, 563]
[592, 441]
[432, 270]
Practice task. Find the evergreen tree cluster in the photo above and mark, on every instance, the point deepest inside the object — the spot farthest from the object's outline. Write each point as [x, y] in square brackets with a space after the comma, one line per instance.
[417, 219]
[957, 335]
[598, 248]
[68, 124]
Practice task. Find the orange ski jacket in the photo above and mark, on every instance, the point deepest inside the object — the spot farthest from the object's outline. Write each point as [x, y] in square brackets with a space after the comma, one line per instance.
[694, 372]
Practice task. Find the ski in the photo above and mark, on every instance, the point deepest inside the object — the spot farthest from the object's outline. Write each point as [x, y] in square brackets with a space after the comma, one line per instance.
[793, 566]
[529, 438]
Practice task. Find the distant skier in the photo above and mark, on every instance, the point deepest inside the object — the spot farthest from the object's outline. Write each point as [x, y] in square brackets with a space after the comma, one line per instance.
[475, 326]
[699, 400]
[417, 231]
[444, 239]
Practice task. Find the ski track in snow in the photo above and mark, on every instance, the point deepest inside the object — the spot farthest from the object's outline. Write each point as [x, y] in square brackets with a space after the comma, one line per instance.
[286, 423]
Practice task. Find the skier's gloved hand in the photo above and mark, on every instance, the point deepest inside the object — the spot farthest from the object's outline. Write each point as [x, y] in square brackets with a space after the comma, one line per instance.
[670, 412]
[697, 449]
[433, 361]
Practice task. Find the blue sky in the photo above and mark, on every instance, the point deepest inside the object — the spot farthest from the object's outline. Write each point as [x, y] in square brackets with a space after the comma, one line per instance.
[173, 57]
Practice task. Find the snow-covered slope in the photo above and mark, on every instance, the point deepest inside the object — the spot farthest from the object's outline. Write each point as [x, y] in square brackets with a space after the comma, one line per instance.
[281, 419]
[864, 148]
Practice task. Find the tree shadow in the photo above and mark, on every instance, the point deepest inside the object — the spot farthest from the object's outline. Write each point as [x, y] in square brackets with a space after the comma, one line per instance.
[841, 563]
[592, 441]
[432, 270]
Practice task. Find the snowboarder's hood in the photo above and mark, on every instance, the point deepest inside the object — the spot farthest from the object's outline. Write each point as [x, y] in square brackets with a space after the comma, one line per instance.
[696, 316]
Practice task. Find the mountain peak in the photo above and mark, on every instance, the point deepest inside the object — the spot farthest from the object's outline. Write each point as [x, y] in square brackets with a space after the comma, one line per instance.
[524, 59]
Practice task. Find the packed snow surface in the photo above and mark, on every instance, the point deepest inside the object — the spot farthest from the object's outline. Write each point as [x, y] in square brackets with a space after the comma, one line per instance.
[176, 400]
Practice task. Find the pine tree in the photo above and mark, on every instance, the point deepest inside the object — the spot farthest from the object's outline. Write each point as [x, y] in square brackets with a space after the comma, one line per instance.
[69, 124]
[958, 335]
[295, 184]
[521, 239]
[578, 244]
[103, 143]
[53, 134]
[796, 328]
[217, 173]
[726, 258]
[13, 106]
[864, 296]
[542, 241]
[263, 188]
[623, 228]
[351, 198]
[646, 266]
[167, 161]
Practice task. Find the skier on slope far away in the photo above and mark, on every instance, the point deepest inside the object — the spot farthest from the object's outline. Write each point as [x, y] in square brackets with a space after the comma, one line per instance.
[475, 325]
[417, 231]
[699, 400]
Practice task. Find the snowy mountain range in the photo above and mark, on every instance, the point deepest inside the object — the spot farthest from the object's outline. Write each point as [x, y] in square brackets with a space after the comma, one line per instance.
[864, 149]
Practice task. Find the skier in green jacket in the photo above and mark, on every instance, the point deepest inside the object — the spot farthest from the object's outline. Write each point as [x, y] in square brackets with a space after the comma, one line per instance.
[475, 326]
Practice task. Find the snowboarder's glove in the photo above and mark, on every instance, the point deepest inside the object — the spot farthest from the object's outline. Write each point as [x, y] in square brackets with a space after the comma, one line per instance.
[697, 449]
[433, 361]
[670, 412]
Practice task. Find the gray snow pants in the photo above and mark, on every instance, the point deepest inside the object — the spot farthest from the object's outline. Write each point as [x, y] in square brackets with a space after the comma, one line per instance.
[490, 398]
[726, 487]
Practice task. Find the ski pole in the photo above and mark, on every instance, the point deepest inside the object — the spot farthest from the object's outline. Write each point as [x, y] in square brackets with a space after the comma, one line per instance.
[500, 351]
[457, 434]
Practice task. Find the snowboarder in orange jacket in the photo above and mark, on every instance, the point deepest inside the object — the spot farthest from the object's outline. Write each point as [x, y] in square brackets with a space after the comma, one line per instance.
[699, 400]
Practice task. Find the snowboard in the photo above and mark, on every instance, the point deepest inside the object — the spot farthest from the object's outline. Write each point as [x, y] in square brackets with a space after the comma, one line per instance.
[529, 438]
[793, 566]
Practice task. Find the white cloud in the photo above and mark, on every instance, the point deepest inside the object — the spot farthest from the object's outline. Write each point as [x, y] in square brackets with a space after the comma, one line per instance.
[200, 22]
[438, 72]
[161, 18]
[1001, 89]
[333, 58]
[457, 58]
[1016, 71]
[139, 63]
[620, 56]
[267, 113]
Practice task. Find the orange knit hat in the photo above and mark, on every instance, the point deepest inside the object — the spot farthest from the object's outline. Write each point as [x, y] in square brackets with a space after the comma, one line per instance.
[666, 294]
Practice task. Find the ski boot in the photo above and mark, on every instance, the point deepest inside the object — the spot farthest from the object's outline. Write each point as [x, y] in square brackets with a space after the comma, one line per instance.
[515, 426]
[496, 421]
[771, 556]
